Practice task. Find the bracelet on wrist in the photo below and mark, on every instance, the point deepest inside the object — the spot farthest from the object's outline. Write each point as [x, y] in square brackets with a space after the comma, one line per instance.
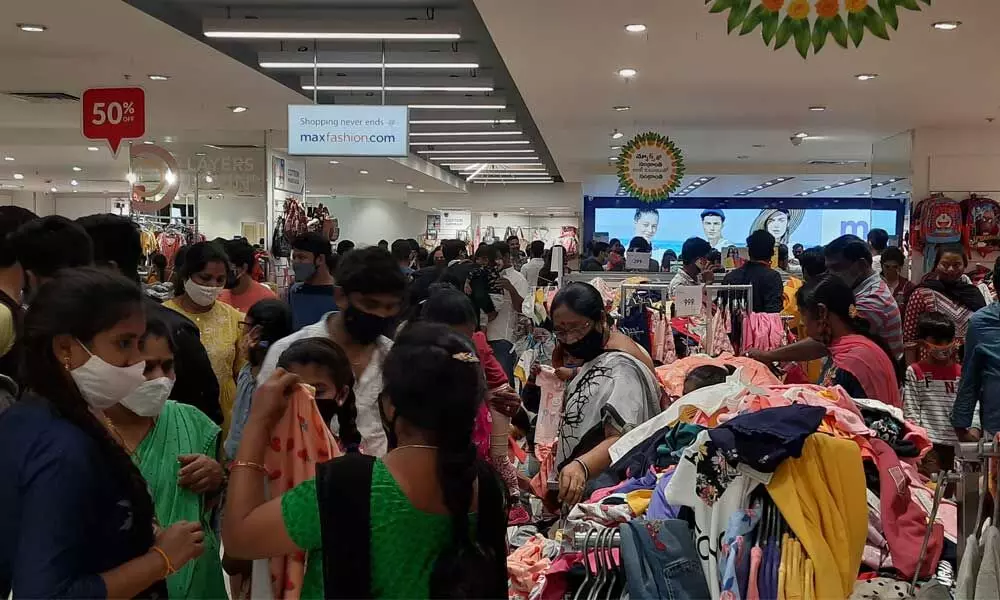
[583, 465]
[236, 464]
[170, 570]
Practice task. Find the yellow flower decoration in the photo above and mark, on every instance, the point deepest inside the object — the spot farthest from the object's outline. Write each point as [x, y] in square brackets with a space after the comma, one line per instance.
[799, 9]
[856, 6]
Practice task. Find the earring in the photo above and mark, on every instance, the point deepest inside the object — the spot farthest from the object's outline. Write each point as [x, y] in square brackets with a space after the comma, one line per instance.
[66, 363]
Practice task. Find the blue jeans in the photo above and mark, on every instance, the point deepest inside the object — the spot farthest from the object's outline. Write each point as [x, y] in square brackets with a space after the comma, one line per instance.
[504, 351]
[661, 562]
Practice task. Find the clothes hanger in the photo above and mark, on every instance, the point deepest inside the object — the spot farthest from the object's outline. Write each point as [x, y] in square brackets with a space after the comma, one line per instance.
[602, 572]
[586, 567]
[983, 462]
[613, 570]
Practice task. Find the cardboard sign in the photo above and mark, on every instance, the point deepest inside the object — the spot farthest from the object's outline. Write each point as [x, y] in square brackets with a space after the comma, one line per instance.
[687, 300]
[114, 114]
[637, 261]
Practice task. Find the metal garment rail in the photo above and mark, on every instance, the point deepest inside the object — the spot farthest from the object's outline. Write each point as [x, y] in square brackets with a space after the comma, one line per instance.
[972, 460]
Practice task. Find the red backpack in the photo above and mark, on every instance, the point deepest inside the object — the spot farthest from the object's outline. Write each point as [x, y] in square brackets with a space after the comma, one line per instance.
[982, 225]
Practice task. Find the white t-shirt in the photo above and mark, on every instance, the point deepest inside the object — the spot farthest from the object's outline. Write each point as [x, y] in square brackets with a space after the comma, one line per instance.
[502, 327]
[531, 269]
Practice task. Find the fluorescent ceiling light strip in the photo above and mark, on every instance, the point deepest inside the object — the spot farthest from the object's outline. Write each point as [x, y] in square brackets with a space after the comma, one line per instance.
[482, 180]
[513, 168]
[363, 65]
[469, 143]
[498, 151]
[396, 88]
[457, 106]
[462, 133]
[476, 172]
[328, 35]
[462, 122]
[497, 159]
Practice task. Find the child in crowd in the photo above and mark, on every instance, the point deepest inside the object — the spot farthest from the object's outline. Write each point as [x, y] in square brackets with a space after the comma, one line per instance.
[929, 389]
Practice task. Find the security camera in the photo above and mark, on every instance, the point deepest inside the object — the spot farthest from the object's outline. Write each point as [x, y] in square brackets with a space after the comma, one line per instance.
[495, 215]
[795, 140]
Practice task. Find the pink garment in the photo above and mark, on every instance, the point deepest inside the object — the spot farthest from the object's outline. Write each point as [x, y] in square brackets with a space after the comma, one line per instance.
[672, 376]
[546, 455]
[863, 358]
[755, 560]
[481, 431]
[763, 331]
[839, 406]
[550, 406]
[721, 344]
[526, 568]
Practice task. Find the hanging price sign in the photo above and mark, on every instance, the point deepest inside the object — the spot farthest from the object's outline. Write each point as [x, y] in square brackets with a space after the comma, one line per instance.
[687, 300]
[114, 114]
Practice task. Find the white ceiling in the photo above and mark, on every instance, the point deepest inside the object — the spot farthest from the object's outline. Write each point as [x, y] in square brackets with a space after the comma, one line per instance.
[718, 95]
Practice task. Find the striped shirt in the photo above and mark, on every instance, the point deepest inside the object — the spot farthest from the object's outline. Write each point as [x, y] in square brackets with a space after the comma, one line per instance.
[875, 304]
[928, 397]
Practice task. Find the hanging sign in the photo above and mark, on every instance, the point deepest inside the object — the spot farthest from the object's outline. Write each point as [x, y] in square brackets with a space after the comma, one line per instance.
[687, 300]
[809, 23]
[348, 130]
[650, 166]
[113, 115]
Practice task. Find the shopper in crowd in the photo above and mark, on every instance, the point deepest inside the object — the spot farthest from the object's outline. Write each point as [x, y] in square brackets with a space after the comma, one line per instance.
[471, 276]
[384, 244]
[712, 222]
[402, 252]
[878, 240]
[76, 518]
[204, 273]
[612, 390]
[265, 323]
[892, 272]
[647, 222]
[11, 287]
[421, 257]
[640, 245]
[312, 295]
[757, 272]
[369, 296]
[929, 389]
[945, 289]
[344, 247]
[43, 246]
[158, 269]
[859, 361]
[536, 259]
[427, 486]
[980, 381]
[669, 258]
[118, 245]
[246, 292]
[813, 263]
[517, 256]
[435, 258]
[797, 250]
[175, 447]
[598, 257]
[617, 246]
[501, 331]
[695, 265]
[546, 276]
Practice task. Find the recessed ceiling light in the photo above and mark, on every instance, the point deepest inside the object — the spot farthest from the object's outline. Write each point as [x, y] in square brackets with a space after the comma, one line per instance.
[8, 158]
[947, 25]
[635, 28]
[53, 189]
[75, 191]
[74, 182]
[18, 176]
[155, 77]
[866, 76]
[201, 154]
[209, 179]
[409, 187]
[627, 72]
[616, 147]
[421, 191]
[363, 172]
[77, 169]
[92, 148]
[390, 181]
[817, 108]
[149, 142]
[31, 27]
[801, 135]
[617, 135]
[334, 162]
[622, 108]
[237, 108]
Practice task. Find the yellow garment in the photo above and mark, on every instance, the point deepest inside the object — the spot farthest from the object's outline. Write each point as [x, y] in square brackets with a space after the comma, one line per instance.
[638, 501]
[220, 334]
[795, 571]
[8, 335]
[148, 241]
[809, 588]
[790, 304]
[783, 566]
[822, 498]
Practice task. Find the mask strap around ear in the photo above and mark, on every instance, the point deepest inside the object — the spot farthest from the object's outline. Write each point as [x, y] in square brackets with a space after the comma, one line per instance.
[82, 345]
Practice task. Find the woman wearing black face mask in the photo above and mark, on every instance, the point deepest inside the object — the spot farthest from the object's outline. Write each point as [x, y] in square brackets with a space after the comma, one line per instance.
[611, 390]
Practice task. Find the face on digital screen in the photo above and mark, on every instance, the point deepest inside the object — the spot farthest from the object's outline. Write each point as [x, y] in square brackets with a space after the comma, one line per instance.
[646, 224]
[777, 225]
[712, 224]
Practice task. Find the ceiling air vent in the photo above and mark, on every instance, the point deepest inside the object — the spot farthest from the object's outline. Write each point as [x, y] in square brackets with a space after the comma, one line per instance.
[43, 97]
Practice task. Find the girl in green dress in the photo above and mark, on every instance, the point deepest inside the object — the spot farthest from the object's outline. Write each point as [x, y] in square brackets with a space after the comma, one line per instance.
[423, 541]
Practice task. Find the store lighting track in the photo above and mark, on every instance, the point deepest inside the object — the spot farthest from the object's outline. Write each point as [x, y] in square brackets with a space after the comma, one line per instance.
[469, 143]
[462, 122]
[499, 151]
[396, 88]
[292, 29]
[462, 133]
[839, 184]
[884, 183]
[763, 186]
[694, 185]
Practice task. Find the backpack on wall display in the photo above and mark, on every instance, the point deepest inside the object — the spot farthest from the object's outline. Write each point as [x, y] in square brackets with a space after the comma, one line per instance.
[982, 225]
[941, 222]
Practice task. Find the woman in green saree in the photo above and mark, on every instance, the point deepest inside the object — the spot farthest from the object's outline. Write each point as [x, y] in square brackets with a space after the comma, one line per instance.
[174, 445]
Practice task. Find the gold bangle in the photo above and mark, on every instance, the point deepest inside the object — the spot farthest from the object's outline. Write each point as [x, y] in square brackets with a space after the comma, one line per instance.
[247, 464]
[170, 567]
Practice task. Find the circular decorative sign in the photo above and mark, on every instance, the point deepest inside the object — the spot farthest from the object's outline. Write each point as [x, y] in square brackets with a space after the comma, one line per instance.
[808, 23]
[650, 166]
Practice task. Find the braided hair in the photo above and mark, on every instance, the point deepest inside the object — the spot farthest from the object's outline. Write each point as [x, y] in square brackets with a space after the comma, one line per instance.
[83, 302]
[435, 383]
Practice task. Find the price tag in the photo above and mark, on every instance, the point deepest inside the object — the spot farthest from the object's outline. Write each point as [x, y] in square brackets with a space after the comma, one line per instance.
[114, 114]
[687, 300]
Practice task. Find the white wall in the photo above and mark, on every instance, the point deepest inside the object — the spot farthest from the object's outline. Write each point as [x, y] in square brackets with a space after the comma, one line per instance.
[553, 197]
[74, 206]
[365, 221]
[220, 215]
[38, 202]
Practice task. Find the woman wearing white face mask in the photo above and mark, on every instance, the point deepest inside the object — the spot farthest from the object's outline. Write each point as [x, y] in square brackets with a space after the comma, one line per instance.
[174, 446]
[76, 519]
[203, 276]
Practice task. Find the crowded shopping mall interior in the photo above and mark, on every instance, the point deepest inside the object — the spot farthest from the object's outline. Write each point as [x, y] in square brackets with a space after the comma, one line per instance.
[518, 299]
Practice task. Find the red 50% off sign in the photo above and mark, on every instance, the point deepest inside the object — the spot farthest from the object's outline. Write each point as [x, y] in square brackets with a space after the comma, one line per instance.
[114, 114]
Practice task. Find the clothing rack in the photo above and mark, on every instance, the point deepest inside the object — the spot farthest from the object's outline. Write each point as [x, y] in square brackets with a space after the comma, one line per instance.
[972, 459]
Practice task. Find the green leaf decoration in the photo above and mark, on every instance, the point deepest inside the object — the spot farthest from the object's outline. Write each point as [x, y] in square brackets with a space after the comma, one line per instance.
[721, 5]
[802, 38]
[820, 31]
[768, 27]
[784, 33]
[909, 4]
[888, 8]
[751, 21]
[839, 31]
[625, 176]
[856, 27]
[875, 24]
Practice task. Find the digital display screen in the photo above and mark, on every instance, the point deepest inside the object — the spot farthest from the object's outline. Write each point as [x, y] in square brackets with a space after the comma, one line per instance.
[667, 228]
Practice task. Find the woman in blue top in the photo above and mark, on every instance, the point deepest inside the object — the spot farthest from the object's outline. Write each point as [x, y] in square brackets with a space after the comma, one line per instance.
[76, 519]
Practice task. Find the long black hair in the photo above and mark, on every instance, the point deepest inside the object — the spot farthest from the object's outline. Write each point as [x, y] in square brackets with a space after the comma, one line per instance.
[83, 302]
[196, 259]
[274, 318]
[831, 291]
[434, 382]
[329, 355]
[581, 298]
[445, 304]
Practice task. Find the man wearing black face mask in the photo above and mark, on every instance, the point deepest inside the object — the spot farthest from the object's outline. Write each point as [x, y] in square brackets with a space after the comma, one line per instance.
[369, 293]
[312, 295]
